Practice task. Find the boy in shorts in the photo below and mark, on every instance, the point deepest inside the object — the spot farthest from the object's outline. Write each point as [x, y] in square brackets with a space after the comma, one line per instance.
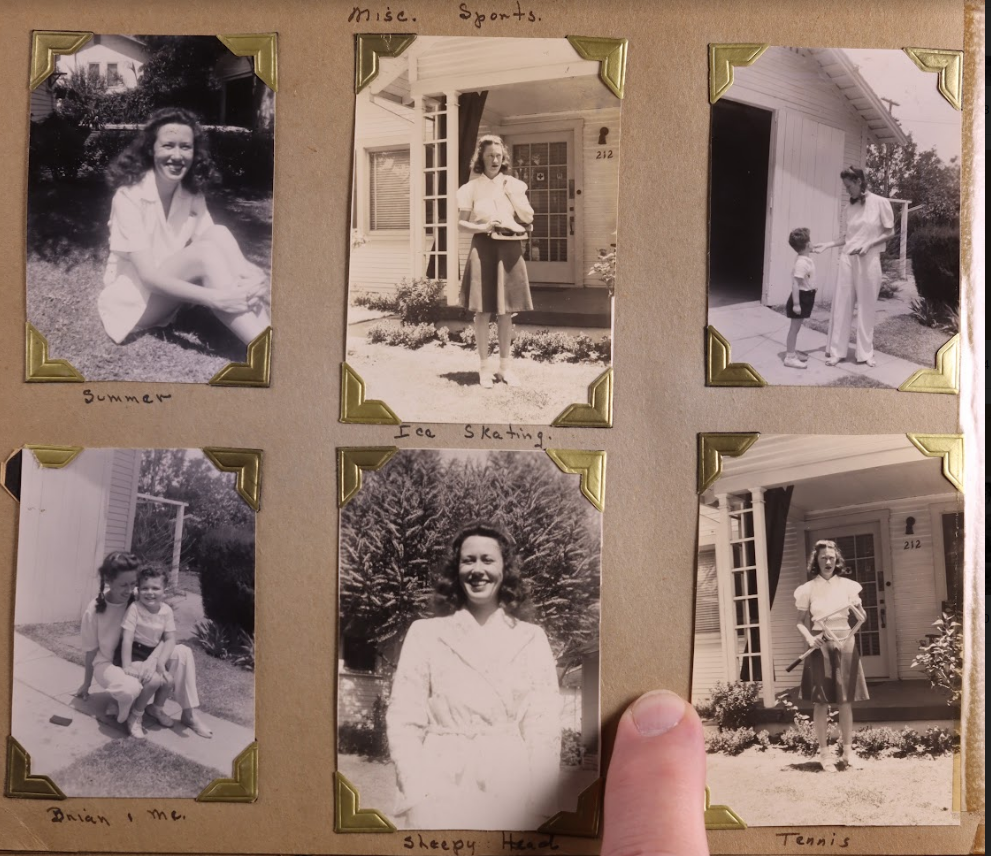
[803, 293]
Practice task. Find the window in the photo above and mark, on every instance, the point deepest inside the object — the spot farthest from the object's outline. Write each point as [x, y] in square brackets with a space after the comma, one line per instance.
[359, 654]
[93, 72]
[743, 573]
[113, 75]
[389, 190]
[707, 596]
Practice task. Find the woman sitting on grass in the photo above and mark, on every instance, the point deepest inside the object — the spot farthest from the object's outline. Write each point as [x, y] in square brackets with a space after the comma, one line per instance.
[165, 250]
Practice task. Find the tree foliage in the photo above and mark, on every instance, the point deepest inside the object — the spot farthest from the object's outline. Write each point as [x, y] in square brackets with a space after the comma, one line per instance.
[904, 172]
[396, 532]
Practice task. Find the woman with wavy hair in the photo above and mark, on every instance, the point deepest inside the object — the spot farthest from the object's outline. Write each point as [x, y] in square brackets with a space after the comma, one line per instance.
[165, 249]
[474, 715]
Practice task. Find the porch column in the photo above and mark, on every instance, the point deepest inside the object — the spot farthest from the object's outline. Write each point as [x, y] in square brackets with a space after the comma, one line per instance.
[763, 600]
[724, 589]
[903, 243]
[416, 265]
[452, 287]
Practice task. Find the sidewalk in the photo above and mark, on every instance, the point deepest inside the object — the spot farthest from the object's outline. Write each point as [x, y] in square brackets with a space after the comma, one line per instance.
[757, 336]
[44, 685]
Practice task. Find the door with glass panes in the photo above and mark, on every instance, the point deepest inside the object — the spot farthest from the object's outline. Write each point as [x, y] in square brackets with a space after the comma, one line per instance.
[861, 549]
[545, 162]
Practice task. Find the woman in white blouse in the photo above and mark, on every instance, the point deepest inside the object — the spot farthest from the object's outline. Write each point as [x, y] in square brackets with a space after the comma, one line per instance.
[832, 674]
[870, 223]
[493, 206]
[165, 250]
[474, 714]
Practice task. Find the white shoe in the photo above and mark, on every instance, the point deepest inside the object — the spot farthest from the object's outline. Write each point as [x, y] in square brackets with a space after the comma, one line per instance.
[849, 760]
[794, 362]
[134, 726]
[508, 376]
[827, 761]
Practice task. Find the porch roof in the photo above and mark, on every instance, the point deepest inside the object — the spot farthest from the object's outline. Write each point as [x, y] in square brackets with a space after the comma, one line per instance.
[842, 71]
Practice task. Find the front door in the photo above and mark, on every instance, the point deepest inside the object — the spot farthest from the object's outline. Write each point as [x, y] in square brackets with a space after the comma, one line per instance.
[545, 162]
[861, 549]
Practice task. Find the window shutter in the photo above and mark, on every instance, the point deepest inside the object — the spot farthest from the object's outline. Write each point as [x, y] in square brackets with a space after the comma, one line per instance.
[389, 190]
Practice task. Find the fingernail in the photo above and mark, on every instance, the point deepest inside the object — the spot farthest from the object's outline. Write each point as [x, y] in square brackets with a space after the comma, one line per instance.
[657, 712]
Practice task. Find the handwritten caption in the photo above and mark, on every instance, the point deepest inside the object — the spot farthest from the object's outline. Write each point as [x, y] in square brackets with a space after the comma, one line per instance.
[478, 16]
[481, 432]
[360, 16]
[803, 839]
[466, 847]
[90, 397]
[86, 819]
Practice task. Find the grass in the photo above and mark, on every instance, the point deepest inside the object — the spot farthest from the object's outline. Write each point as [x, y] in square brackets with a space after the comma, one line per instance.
[859, 382]
[67, 254]
[150, 771]
[225, 690]
[903, 336]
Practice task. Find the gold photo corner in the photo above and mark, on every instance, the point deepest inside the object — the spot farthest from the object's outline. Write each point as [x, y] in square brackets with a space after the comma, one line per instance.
[247, 464]
[611, 56]
[369, 47]
[20, 784]
[350, 463]
[589, 466]
[723, 59]
[264, 50]
[350, 817]
[949, 447]
[39, 368]
[584, 821]
[355, 409]
[54, 457]
[254, 371]
[45, 44]
[719, 371]
[945, 378]
[948, 67]
[712, 447]
[242, 786]
[597, 413]
[721, 816]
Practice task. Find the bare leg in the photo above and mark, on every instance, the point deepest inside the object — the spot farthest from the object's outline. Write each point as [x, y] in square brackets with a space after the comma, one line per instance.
[482, 344]
[505, 323]
[791, 342]
[846, 734]
[192, 720]
[820, 716]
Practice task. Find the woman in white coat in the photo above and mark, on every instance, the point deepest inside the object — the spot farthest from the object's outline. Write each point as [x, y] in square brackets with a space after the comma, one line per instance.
[474, 715]
[870, 223]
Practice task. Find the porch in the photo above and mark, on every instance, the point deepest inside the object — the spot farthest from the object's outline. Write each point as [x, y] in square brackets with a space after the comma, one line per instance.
[554, 306]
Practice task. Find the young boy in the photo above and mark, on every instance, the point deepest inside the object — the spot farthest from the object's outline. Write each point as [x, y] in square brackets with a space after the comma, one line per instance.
[803, 293]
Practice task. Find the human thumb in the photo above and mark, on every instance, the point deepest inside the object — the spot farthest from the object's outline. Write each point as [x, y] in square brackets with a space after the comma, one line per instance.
[655, 787]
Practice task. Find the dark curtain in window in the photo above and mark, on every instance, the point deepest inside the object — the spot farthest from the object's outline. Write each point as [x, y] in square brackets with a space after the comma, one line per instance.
[776, 503]
[470, 106]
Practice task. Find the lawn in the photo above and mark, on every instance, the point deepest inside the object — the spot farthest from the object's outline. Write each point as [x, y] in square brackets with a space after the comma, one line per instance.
[226, 690]
[150, 770]
[67, 253]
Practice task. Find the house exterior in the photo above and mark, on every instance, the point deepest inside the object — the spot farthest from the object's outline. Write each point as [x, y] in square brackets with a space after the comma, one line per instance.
[559, 121]
[70, 519]
[793, 120]
[895, 518]
[116, 59]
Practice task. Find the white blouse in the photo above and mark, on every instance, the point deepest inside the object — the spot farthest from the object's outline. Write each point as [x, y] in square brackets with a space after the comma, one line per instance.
[867, 222]
[820, 597]
[501, 198]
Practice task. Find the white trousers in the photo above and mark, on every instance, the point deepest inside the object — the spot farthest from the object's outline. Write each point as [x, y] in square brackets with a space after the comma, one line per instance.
[858, 282]
[125, 689]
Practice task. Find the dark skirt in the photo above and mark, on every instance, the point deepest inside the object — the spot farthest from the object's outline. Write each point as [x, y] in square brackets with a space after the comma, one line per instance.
[495, 278]
[833, 674]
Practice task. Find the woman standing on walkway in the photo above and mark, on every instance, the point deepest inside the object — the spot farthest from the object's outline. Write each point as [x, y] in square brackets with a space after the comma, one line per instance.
[494, 207]
[870, 223]
[832, 672]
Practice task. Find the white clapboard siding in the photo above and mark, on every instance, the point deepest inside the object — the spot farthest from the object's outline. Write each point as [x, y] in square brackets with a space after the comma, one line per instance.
[792, 83]
[42, 103]
[383, 261]
[601, 188]
[129, 56]
[61, 538]
[708, 665]
[122, 499]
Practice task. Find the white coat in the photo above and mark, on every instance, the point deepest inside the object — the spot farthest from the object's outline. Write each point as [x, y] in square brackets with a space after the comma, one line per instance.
[474, 725]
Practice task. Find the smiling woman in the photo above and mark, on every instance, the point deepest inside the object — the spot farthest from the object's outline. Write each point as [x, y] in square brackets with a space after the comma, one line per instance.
[165, 250]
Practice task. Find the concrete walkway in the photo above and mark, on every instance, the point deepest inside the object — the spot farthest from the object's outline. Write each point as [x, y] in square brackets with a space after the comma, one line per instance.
[44, 685]
[757, 336]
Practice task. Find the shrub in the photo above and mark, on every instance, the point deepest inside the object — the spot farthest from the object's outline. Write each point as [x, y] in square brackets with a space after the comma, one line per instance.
[887, 742]
[941, 657]
[467, 336]
[705, 710]
[571, 747]
[938, 741]
[245, 656]
[890, 287]
[734, 704]
[736, 740]
[873, 742]
[378, 302]
[935, 252]
[367, 737]
[410, 336]
[801, 735]
[225, 558]
[605, 268]
[419, 301]
[214, 638]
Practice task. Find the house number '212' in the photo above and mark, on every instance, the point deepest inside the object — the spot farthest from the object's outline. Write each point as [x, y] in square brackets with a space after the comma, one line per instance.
[603, 154]
[912, 544]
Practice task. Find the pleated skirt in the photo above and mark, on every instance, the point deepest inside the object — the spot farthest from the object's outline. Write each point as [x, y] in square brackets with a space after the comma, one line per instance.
[495, 278]
[833, 674]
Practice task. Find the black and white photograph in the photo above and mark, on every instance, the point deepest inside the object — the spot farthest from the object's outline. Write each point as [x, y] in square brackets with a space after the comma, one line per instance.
[483, 230]
[149, 234]
[834, 217]
[828, 633]
[134, 623]
[468, 668]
